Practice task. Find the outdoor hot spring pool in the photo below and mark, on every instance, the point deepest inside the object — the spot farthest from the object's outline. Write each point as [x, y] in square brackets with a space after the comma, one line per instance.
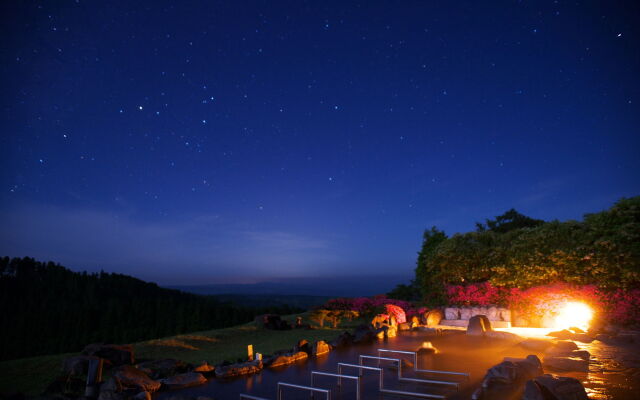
[457, 352]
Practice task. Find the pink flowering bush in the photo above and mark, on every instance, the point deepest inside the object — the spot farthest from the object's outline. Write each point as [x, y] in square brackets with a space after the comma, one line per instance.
[476, 294]
[621, 306]
[397, 312]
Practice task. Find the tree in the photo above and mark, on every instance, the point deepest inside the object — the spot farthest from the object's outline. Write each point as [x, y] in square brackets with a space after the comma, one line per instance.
[508, 221]
[431, 239]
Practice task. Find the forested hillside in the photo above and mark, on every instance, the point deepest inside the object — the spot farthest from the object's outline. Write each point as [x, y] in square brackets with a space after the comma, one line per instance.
[46, 308]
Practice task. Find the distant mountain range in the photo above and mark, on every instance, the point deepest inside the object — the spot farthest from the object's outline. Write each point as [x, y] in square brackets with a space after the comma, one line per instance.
[339, 286]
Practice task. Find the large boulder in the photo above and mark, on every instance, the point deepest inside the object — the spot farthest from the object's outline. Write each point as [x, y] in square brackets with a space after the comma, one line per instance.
[432, 318]
[133, 378]
[364, 334]
[320, 347]
[302, 345]
[566, 364]
[551, 387]
[391, 331]
[115, 354]
[559, 352]
[513, 370]
[158, 369]
[506, 378]
[204, 368]
[478, 325]
[77, 365]
[285, 359]
[231, 370]
[565, 345]
[184, 380]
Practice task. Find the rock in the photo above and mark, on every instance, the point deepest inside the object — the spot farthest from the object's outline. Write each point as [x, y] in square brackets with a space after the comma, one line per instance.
[143, 396]
[158, 369]
[536, 344]
[204, 368]
[566, 364]
[575, 329]
[76, 365]
[227, 371]
[478, 325]
[133, 378]
[426, 348]
[415, 321]
[432, 318]
[344, 339]
[405, 326]
[451, 313]
[320, 347]
[558, 352]
[364, 334]
[565, 345]
[115, 354]
[111, 395]
[509, 373]
[302, 345]
[465, 313]
[551, 387]
[563, 334]
[604, 338]
[583, 337]
[286, 359]
[392, 331]
[379, 320]
[184, 380]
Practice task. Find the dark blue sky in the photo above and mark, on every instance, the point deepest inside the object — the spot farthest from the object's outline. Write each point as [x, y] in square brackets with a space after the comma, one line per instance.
[201, 142]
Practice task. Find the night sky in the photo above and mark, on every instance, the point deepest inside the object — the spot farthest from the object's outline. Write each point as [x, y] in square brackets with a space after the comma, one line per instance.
[199, 142]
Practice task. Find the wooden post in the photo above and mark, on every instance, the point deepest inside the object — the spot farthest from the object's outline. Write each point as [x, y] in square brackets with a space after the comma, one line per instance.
[94, 377]
[250, 352]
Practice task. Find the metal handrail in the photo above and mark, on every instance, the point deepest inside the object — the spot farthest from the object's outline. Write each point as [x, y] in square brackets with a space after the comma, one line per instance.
[415, 363]
[309, 388]
[339, 376]
[250, 397]
[401, 378]
[381, 382]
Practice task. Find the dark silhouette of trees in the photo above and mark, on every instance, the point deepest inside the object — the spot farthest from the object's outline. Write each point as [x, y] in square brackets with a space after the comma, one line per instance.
[46, 308]
[508, 221]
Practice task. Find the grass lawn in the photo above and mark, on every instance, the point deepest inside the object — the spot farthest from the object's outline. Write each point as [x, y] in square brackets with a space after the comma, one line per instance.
[32, 375]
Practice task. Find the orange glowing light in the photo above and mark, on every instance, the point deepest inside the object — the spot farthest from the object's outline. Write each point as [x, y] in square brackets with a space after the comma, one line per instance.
[574, 314]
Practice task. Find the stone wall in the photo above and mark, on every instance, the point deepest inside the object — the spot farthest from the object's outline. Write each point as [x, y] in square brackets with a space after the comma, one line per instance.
[500, 317]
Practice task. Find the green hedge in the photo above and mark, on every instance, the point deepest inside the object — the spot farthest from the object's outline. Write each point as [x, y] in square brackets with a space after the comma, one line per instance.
[602, 249]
